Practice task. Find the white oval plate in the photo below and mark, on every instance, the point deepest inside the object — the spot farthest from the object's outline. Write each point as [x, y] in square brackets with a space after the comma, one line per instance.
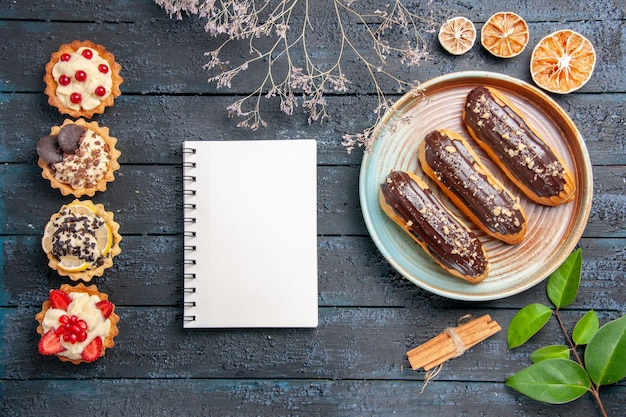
[552, 232]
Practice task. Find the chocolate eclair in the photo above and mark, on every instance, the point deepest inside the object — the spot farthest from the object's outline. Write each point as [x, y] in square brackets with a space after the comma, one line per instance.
[410, 203]
[448, 159]
[500, 129]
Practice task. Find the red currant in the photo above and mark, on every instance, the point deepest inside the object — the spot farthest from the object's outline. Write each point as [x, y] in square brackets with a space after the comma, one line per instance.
[103, 68]
[64, 80]
[100, 91]
[87, 53]
[80, 75]
[65, 57]
[76, 98]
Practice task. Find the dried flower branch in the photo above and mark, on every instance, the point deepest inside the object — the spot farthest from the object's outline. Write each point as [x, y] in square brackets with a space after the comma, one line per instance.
[288, 25]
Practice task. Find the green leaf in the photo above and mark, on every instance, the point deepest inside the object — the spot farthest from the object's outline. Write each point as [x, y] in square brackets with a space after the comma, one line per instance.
[586, 327]
[564, 282]
[550, 352]
[554, 381]
[605, 355]
[528, 321]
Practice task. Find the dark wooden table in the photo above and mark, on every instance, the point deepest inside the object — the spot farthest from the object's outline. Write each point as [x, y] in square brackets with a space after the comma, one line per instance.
[354, 363]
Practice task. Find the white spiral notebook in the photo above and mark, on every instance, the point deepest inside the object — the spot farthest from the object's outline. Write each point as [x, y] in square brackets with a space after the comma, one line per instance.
[250, 211]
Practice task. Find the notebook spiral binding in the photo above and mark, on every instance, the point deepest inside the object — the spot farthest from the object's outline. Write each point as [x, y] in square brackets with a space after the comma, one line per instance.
[189, 233]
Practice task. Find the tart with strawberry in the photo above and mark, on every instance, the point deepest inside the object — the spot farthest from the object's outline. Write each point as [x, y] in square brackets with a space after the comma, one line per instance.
[78, 157]
[82, 79]
[81, 239]
[77, 324]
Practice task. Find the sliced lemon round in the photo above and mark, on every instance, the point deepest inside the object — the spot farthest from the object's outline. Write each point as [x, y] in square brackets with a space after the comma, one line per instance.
[46, 241]
[505, 35]
[562, 62]
[77, 208]
[72, 263]
[457, 35]
[104, 239]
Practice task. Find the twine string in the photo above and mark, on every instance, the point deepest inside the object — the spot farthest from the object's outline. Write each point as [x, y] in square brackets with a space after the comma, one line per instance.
[458, 343]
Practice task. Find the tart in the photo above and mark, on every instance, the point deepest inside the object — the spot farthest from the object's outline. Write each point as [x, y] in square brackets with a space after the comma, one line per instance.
[78, 157]
[77, 324]
[82, 79]
[81, 240]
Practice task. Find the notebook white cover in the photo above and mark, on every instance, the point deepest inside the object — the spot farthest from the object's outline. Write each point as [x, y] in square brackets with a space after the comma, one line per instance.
[250, 233]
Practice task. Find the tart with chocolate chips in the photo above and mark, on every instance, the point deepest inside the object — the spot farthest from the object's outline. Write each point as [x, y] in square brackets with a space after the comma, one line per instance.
[82, 79]
[80, 240]
[78, 157]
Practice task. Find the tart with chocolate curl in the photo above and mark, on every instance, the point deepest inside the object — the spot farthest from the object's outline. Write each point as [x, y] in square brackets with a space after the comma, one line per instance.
[81, 240]
[77, 324]
[78, 157]
[82, 79]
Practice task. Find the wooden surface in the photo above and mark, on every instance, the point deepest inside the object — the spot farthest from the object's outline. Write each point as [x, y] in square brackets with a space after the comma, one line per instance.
[354, 363]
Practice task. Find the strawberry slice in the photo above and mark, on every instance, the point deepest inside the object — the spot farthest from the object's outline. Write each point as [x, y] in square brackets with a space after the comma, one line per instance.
[50, 343]
[106, 307]
[59, 299]
[93, 350]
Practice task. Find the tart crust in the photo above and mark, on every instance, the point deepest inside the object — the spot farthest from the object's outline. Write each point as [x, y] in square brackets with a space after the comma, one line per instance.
[51, 84]
[109, 176]
[115, 250]
[107, 341]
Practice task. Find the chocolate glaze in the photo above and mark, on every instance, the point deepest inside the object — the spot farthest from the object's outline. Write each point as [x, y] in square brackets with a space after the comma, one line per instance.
[428, 221]
[455, 168]
[526, 156]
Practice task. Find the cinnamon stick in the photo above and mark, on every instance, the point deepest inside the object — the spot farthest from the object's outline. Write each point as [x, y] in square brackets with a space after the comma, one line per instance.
[452, 342]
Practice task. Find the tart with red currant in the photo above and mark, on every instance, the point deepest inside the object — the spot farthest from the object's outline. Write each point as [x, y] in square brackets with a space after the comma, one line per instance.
[82, 79]
[77, 324]
[78, 157]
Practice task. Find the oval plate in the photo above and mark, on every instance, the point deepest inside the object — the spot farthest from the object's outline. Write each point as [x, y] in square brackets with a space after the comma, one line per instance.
[552, 232]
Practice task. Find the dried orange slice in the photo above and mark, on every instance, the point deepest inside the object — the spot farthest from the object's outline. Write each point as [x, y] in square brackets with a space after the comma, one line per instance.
[562, 62]
[504, 34]
[457, 35]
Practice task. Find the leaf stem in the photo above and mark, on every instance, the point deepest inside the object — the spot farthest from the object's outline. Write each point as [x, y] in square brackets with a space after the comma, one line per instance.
[594, 390]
